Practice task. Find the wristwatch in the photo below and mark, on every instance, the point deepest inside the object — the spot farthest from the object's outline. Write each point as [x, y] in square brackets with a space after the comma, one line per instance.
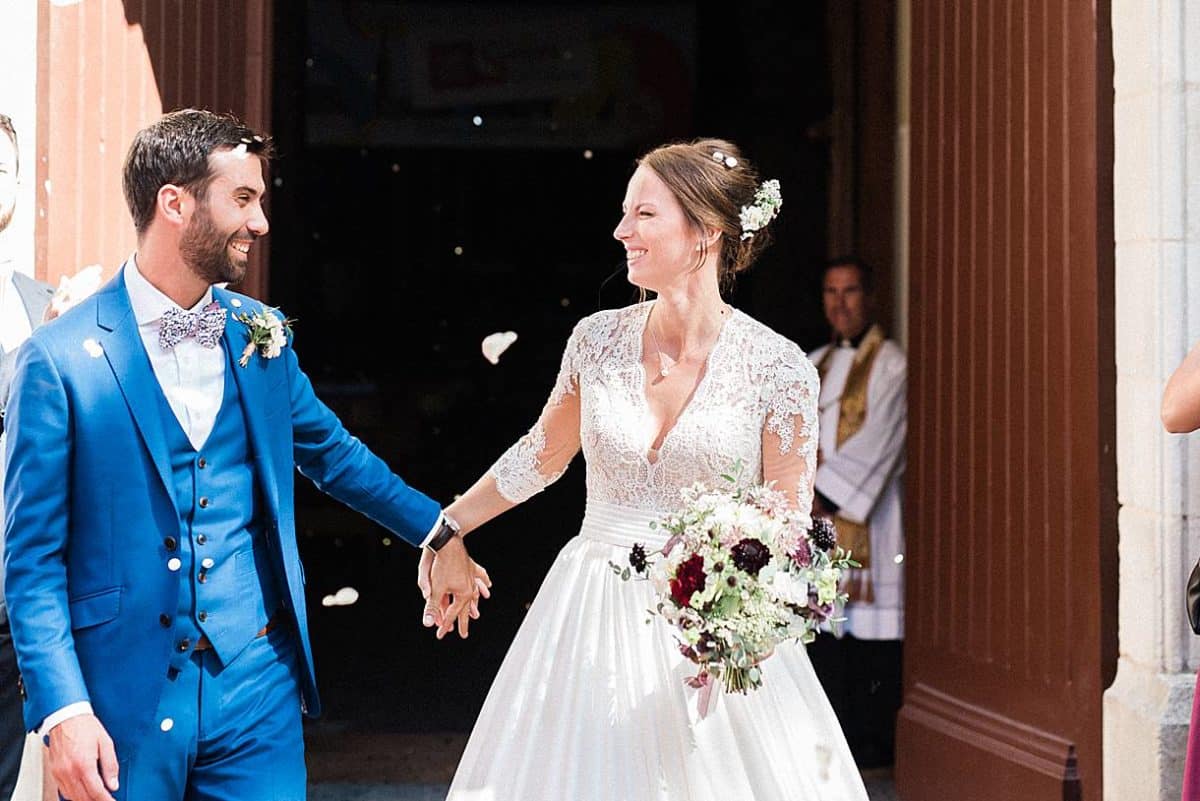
[446, 531]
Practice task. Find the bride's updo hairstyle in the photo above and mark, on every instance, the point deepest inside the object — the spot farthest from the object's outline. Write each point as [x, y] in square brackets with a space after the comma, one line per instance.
[713, 182]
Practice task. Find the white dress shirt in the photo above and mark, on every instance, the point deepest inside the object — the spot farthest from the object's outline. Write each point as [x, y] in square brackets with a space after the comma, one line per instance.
[192, 376]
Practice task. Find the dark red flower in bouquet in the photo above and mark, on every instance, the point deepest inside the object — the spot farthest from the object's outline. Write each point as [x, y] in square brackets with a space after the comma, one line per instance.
[751, 555]
[689, 579]
[823, 534]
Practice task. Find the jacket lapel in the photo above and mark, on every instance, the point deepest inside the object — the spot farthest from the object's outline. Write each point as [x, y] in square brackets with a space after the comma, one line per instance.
[131, 368]
[34, 295]
[252, 392]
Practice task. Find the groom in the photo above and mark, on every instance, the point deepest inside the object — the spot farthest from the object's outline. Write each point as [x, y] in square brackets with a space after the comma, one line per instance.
[154, 585]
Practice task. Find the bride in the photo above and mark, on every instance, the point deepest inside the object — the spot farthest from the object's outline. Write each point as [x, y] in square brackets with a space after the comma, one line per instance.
[590, 702]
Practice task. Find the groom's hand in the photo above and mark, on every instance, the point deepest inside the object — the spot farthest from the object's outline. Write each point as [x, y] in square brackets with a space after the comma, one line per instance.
[83, 760]
[451, 584]
[431, 615]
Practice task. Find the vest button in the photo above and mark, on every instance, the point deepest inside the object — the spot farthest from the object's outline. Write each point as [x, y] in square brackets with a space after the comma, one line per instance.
[170, 543]
[203, 463]
[202, 578]
[174, 564]
[207, 563]
[203, 503]
[164, 621]
[185, 644]
[201, 539]
[203, 616]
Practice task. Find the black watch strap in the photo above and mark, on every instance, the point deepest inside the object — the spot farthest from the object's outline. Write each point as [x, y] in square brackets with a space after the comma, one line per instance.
[446, 532]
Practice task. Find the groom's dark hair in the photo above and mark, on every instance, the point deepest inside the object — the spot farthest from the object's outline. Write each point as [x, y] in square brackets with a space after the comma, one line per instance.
[175, 150]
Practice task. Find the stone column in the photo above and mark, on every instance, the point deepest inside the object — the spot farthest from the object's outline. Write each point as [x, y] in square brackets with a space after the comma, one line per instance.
[1156, 47]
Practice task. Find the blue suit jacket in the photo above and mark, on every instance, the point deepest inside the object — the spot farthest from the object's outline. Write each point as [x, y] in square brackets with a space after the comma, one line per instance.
[88, 505]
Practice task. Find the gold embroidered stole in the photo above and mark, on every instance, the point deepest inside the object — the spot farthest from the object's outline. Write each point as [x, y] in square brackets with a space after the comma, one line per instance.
[852, 414]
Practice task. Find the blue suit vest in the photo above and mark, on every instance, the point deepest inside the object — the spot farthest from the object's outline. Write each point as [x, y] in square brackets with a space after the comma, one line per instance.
[227, 589]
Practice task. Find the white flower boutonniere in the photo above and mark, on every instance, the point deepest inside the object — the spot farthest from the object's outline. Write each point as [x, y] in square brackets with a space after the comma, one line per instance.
[268, 333]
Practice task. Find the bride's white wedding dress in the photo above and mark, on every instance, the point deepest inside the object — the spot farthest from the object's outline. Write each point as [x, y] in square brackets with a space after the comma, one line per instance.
[590, 702]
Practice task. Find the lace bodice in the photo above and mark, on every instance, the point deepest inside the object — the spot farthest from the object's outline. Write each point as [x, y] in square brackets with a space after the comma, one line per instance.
[756, 401]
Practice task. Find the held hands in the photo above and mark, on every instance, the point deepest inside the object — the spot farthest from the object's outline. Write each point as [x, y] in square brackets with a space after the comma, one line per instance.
[82, 759]
[451, 584]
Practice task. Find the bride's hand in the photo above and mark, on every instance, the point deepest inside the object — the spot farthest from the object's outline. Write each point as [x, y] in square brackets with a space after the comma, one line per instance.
[424, 568]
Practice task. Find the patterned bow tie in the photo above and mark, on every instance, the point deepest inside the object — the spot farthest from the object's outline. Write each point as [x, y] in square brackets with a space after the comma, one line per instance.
[206, 325]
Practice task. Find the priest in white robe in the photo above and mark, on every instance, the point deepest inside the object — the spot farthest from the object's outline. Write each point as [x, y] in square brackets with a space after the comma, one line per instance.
[862, 411]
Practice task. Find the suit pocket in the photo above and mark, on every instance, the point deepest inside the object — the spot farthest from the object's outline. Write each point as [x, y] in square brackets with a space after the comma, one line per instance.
[95, 608]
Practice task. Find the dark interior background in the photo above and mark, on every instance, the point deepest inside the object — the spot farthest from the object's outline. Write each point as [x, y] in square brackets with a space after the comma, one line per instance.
[376, 188]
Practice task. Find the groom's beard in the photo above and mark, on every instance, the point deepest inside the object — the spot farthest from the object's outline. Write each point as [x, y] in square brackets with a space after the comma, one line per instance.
[206, 251]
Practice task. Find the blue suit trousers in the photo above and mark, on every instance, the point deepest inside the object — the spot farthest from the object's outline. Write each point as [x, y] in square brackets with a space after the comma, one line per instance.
[225, 733]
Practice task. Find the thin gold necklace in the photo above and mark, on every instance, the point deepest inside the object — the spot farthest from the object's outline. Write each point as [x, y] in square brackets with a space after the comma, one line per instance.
[665, 363]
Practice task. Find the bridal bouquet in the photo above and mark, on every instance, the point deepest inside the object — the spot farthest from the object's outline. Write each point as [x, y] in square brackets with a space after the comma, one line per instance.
[740, 573]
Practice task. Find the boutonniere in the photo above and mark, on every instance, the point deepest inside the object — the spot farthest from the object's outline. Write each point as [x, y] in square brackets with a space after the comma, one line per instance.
[268, 334]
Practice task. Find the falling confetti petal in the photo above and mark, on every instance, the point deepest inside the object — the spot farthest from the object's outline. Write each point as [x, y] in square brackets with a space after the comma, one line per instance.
[495, 344]
[72, 289]
[278, 182]
[458, 251]
[93, 348]
[477, 120]
[395, 168]
[587, 154]
[899, 559]
[346, 596]
[328, 600]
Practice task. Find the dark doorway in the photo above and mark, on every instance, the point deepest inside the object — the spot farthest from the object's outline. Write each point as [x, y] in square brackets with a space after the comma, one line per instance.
[405, 232]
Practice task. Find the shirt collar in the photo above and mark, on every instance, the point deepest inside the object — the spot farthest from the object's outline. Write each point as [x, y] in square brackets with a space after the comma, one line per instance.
[852, 342]
[149, 304]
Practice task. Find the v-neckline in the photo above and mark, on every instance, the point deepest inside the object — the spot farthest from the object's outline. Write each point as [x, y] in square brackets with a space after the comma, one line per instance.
[645, 449]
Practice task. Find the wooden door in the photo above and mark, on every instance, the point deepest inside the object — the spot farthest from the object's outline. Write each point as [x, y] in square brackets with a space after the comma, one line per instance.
[106, 68]
[1011, 489]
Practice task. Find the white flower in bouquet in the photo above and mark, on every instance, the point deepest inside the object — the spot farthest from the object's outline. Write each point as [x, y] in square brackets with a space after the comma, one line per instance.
[789, 588]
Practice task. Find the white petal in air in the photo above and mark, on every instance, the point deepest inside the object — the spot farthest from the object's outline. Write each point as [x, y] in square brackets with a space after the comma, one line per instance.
[93, 348]
[72, 289]
[343, 597]
[495, 344]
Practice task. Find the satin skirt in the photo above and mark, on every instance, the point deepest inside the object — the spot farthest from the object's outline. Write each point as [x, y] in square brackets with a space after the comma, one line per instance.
[590, 702]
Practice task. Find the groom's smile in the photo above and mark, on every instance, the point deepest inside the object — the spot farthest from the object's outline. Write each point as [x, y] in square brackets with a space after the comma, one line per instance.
[227, 218]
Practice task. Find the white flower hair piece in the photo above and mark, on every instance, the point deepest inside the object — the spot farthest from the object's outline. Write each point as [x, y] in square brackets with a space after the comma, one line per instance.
[767, 203]
[721, 158]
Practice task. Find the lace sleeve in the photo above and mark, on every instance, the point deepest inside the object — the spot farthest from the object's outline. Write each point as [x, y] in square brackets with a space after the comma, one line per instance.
[790, 429]
[539, 458]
